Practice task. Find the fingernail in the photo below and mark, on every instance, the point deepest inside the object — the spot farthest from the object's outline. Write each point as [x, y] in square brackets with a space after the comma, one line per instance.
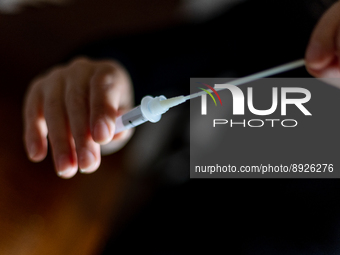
[101, 132]
[32, 151]
[86, 158]
[65, 172]
[90, 169]
[63, 167]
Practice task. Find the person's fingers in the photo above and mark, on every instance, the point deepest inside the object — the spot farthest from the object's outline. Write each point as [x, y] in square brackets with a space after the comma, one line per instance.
[331, 71]
[59, 134]
[77, 100]
[78, 105]
[323, 46]
[107, 88]
[35, 129]
[88, 151]
[117, 143]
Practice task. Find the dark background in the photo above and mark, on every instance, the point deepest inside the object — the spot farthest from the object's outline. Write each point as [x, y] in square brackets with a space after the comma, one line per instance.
[275, 216]
[242, 216]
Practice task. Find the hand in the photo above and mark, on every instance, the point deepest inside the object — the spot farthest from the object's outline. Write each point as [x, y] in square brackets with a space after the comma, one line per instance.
[323, 51]
[76, 106]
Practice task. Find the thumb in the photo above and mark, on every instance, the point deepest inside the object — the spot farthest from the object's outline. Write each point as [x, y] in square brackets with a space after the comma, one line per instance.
[321, 53]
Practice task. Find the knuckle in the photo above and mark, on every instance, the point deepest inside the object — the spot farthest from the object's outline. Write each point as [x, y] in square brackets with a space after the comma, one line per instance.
[36, 82]
[107, 67]
[79, 61]
[104, 81]
[110, 63]
[55, 72]
[109, 73]
[78, 69]
[35, 86]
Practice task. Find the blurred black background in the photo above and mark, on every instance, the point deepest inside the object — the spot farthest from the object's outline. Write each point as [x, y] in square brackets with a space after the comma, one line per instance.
[230, 216]
[242, 216]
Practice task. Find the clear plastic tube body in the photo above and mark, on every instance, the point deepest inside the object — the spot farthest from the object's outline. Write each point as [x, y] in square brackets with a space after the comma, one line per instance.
[130, 119]
[149, 110]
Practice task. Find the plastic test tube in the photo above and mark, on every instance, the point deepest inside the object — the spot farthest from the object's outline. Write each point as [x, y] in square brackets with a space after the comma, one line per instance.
[150, 109]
